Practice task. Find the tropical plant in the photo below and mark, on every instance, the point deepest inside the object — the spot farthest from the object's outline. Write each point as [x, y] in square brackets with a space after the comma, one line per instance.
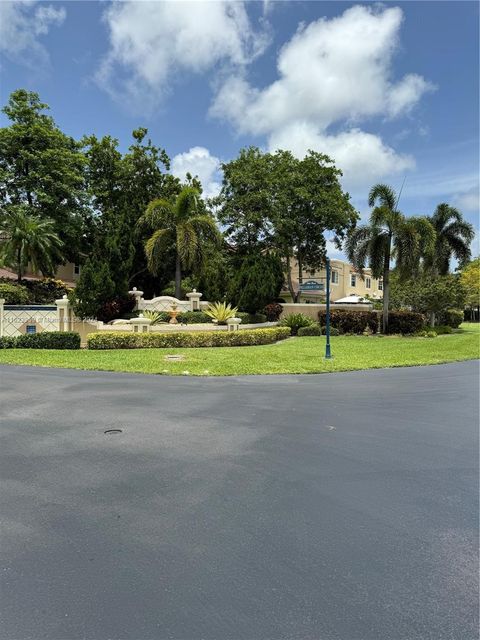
[156, 317]
[470, 279]
[295, 321]
[180, 225]
[27, 240]
[453, 236]
[388, 235]
[273, 311]
[221, 312]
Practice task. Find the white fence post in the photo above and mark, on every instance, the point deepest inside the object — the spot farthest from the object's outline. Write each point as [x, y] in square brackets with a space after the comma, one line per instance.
[2, 311]
[62, 314]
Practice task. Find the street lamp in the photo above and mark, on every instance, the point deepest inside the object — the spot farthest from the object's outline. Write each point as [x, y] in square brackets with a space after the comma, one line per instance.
[328, 353]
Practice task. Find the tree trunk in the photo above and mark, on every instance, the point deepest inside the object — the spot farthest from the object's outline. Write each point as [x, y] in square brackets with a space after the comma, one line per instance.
[178, 277]
[19, 267]
[300, 277]
[386, 287]
[289, 280]
[432, 318]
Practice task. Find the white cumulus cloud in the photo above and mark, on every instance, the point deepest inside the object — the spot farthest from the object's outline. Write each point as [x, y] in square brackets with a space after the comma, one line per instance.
[153, 43]
[332, 72]
[22, 23]
[199, 162]
[469, 200]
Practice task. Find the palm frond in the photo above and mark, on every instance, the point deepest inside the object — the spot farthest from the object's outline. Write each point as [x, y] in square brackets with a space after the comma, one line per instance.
[157, 246]
[384, 194]
[187, 203]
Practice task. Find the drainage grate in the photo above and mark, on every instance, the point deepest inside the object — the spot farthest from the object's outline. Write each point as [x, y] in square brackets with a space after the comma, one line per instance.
[109, 432]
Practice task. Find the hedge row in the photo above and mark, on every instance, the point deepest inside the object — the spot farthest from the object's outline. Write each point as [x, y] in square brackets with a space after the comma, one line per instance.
[44, 340]
[240, 338]
[405, 322]
[350, 321]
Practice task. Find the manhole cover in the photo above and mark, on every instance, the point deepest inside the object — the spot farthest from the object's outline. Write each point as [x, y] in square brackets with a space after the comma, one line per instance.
[170, 358]
[110, 432]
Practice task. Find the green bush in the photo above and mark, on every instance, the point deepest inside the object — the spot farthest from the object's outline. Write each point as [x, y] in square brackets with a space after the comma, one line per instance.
[314, 330]
[405, 322]
[296, 321]
[441, 330]
[44, 340]
[350, 321]
[334, 331]
[273, 311]
[251, 318]
[240, 338]
[452, 318]
[192, 317]
[430, 334]
[7, 342]
[14, 293]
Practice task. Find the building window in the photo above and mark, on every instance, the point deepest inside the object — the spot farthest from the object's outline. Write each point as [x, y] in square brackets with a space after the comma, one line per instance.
[335, 277]
[76, 269]
[380, 285]
[30, 328]
[353, 280]
[368, 283]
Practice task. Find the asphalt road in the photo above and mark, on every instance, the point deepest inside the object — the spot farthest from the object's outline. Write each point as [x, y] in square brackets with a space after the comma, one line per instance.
[323, 507]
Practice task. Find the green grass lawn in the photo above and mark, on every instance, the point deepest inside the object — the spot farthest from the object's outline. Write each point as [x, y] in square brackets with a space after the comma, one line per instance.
[295, 355]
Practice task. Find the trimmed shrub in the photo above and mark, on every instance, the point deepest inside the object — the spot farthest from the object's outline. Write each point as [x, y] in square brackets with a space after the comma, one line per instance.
[333, 331]
[441, 330]
[350, 321]
[251, 318]
[47, 340]
[240, 338]
[451, 317]
[273, 311]
[405, 322]
[314, 330]
[295, 321]
[116, 308]
[191, 317]
[7, 342]
[14, 294]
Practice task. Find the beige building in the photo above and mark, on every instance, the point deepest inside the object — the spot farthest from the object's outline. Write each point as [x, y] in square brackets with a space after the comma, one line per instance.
[344, 281]
[68, 272]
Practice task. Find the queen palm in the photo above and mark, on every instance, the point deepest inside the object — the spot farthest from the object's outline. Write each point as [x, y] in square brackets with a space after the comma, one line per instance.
[389, 235]
[27, 240]
[453, 238]
[180, 225]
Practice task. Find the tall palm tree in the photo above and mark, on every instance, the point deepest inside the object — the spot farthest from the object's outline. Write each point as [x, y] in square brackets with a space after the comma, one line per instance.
[180, 225]
[453, 238]
[389, 235]
[27, 240]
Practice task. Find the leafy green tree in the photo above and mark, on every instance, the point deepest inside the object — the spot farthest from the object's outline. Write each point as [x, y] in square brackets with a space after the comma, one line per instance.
[276, 202]
[453, 236]
[257, 281]
[43, 169]
[427, 294]
[389, 234]
[470, 279]
[308, 201]
[94, 288]
[27, 240]
[182, 225]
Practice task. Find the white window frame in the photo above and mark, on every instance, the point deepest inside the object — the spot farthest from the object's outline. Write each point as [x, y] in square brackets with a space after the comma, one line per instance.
[380, 285]
[368, 283]
[335, 277]
[77, 269]
[353, 279]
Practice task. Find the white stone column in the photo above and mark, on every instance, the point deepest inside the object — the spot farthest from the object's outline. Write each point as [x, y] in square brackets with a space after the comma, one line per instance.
[62, 314]
[138, 296]
[2, 311]
[194, 299]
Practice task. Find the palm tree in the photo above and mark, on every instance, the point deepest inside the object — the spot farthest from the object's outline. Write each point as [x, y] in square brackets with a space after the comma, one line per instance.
[26, 239]
[180, 225]
[453, 238]
[388, 235]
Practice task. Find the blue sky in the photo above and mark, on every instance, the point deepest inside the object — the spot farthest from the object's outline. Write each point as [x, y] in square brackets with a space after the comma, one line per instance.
[389, 90]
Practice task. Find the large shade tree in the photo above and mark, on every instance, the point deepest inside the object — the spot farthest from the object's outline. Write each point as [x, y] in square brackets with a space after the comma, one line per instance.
[28, 241]
[182, 226]
[389, 234]
[453, 236]
[42, 170]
